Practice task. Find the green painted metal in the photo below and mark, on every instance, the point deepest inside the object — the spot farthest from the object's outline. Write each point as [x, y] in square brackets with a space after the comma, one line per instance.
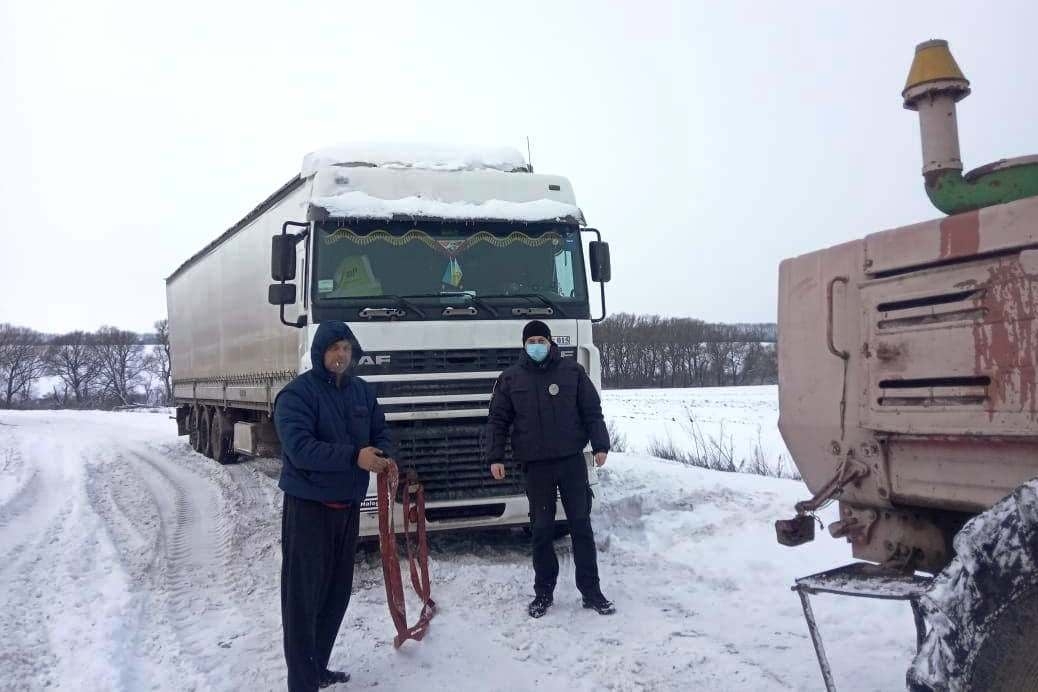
[953, 193]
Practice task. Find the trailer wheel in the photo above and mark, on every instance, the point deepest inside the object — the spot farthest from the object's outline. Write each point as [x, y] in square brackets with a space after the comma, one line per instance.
[982, 611]
[194, 423]
[205, 421]
[221, 438]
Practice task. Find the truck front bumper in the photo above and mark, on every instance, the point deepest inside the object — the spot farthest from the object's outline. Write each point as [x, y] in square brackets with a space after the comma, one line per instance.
[450, 515]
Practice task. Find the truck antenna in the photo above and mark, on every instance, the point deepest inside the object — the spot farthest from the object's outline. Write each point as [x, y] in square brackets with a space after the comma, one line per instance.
[529, 153]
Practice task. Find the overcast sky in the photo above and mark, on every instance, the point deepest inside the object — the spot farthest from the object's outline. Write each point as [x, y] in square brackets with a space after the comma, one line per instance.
[707, 140]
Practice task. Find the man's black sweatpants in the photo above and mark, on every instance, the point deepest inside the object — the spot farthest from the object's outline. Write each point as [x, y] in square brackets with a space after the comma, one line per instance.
[318, 547]
[569, 476]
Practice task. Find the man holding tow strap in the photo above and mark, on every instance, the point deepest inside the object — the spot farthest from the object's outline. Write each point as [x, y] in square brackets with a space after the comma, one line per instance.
[551, 409]
[333, 434]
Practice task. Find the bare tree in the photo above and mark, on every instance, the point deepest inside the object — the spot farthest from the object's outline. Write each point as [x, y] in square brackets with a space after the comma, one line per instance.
[21, 362]
[120, 361]
[72, 359]
[158, 361]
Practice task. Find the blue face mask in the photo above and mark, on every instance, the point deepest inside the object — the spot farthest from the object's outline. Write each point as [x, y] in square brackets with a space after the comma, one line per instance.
[537, 352]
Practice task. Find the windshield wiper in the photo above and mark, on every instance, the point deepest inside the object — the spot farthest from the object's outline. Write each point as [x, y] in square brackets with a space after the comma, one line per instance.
[460, 294]
[400, 301]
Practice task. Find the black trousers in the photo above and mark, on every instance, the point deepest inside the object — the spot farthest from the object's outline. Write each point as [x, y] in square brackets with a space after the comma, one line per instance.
[569, 476]
[318, 547]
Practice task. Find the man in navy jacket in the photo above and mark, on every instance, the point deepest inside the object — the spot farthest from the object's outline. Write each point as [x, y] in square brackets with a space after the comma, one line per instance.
[333, 434]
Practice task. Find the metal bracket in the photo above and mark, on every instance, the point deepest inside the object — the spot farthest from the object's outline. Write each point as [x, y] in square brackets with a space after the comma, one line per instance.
[370, 313]
[863, 580]
[530, 312]
[795, 531]
[849, 471]
[855, 528]
[463, 312]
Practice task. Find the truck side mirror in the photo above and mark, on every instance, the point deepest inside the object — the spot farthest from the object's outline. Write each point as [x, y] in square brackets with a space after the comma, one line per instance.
[601, 271]
[281, 294]
[283, 258]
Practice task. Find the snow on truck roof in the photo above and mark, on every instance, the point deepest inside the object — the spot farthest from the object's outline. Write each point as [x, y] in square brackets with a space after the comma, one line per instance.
[385, 181]
[432, 157]
[360, 205]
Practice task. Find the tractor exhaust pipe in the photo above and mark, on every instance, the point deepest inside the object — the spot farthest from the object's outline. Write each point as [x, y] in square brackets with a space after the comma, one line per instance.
[935, 84]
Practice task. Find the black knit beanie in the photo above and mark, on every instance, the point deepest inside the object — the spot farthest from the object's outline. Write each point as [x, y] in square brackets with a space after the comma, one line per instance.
[536, 328]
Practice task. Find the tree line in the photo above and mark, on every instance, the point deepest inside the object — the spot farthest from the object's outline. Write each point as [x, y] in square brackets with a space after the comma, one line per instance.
[106, 369]
[113, 367]
[649, 351]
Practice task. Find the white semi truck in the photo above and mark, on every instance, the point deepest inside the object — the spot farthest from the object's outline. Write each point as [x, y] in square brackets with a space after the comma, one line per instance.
[435, 257]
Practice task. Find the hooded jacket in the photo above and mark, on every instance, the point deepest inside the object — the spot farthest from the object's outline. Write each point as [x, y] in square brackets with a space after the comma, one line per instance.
[551, 409]
[323, 426]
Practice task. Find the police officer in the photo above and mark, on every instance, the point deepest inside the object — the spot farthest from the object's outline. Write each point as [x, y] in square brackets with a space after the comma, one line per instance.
[551, 409]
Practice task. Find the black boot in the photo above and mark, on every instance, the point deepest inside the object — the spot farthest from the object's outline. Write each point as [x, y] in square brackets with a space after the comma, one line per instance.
[539, 606]
[598, 602]
[332, 677]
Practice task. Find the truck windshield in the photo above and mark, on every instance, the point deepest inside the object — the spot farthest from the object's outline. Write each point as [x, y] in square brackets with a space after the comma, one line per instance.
[507, 264]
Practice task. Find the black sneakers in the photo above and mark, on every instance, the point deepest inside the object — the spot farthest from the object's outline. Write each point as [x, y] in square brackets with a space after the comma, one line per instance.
[332, 677]
[539, 606]
[599, 603]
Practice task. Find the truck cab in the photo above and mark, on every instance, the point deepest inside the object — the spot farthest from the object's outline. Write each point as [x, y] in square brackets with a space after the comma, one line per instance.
[435, 259]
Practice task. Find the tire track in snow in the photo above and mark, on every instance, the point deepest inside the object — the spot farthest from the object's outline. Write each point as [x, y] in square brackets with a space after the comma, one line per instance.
[22, 513]
[196, 539]
[195, 584]
[26, 655]
[64, 597]
[21, 501]
[130, 515]
[130, 564]
[213, 602]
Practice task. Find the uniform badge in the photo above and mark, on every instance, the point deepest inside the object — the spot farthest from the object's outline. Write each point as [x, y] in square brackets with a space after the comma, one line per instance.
[553, 389]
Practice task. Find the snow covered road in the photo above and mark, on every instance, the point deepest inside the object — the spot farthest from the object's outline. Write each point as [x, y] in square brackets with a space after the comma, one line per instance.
[128, 562]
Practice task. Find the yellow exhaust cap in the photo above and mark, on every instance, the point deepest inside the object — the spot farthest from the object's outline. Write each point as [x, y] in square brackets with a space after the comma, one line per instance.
[934, 63]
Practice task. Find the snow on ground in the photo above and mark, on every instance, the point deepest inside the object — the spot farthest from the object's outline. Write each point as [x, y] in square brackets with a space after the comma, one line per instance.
[128, 562]
[742, 418]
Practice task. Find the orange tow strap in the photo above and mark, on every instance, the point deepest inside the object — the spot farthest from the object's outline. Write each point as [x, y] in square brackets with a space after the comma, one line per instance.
[388, 482]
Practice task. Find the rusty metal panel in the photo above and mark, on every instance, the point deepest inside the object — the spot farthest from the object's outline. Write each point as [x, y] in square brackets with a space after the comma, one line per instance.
[813, 381]
[941, 369]
[991, 230]
[953, 350]
[968, 474]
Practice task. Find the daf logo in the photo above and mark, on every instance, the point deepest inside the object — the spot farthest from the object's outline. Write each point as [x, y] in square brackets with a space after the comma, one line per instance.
[382, 359]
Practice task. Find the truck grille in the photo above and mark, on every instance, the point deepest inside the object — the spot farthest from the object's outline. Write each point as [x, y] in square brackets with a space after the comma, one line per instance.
[436, 406]
[447, 456]
[444, 360]
[439, 360]
[434, 387]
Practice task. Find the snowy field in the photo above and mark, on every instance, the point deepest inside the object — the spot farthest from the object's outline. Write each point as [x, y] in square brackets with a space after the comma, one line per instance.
[741, 419]
[128, 562]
